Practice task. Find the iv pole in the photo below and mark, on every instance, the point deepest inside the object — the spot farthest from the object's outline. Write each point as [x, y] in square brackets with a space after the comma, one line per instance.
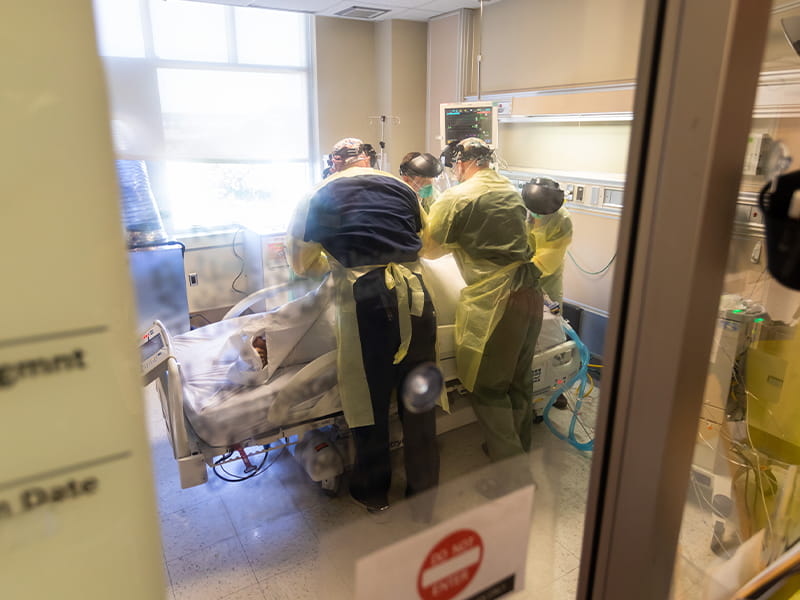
[382, 118]
[479, 57]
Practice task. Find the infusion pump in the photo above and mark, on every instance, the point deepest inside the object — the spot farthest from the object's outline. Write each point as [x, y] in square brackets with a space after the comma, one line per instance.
[154, 351]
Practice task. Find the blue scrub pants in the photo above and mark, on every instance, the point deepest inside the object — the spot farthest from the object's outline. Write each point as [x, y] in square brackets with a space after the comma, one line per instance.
[376, 311]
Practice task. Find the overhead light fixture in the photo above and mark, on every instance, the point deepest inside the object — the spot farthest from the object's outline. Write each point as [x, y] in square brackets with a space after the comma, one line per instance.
[362, 12]
[568, 118]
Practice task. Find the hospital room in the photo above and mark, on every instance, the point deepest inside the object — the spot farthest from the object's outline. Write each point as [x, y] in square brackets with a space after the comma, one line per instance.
[407, 299]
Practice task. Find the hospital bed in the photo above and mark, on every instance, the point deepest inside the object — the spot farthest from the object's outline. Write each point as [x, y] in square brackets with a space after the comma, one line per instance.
[221, 406]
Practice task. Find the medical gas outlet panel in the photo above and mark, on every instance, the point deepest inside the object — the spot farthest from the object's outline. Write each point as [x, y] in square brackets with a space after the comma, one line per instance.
[603, 192]
[606, 193]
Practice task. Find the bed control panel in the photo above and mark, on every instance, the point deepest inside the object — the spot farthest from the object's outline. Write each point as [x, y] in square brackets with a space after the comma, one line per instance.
[154, 352]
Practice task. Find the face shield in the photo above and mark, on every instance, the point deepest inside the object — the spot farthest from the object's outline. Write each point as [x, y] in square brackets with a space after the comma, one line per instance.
[542, 196]
[349, 151]
[447, 159]
[419, 171]
[466, 151]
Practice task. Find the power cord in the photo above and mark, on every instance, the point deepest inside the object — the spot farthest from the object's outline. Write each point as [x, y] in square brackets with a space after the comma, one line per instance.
[241, 260]
[600, 272]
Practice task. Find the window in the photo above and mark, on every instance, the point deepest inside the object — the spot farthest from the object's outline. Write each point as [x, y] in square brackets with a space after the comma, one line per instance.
[217, 101]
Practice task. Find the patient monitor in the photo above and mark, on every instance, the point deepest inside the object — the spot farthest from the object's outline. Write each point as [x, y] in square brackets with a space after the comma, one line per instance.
[154, 351]
[458, 121]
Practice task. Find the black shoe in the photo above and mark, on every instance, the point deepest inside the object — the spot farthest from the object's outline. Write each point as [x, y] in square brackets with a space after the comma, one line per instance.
[561, 402]
[485, 448]
[372, 507]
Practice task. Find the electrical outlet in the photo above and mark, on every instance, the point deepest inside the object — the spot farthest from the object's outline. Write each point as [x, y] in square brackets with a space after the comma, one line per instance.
[755, 256]
[755, 215]
[192, 279]
[579, 193]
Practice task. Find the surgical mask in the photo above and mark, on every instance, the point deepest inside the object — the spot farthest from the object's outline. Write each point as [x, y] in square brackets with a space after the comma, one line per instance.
[426, 191]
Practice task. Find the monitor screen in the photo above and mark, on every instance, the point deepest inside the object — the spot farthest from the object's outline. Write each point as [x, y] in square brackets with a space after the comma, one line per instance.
[151, 346]
[469, 120]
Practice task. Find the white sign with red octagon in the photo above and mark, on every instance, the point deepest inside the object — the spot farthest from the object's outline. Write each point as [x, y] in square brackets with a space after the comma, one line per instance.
[479, 554]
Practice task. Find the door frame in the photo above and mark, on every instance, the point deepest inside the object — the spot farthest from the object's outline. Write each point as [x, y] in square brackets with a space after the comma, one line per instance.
[698, 70]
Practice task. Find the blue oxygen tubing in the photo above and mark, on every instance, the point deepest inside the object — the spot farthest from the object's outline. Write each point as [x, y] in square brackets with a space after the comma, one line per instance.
[581, 375]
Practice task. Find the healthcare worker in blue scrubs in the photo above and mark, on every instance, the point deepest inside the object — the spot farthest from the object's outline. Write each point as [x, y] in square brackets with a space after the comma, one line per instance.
[364, 226]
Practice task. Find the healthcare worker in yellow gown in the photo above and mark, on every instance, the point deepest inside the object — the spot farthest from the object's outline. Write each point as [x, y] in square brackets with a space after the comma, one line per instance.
[419, 170]
[364, 225]
[550, 233]
[482, 221]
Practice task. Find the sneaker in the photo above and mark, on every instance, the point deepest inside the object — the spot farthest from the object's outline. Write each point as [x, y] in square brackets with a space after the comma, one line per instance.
[561, 402]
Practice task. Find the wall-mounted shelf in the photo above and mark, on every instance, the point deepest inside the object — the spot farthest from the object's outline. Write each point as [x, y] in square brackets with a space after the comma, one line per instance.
[599, 103]
[778, 95]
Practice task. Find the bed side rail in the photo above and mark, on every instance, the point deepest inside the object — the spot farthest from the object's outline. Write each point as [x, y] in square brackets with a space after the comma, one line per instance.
[259, 296]
[159, 362]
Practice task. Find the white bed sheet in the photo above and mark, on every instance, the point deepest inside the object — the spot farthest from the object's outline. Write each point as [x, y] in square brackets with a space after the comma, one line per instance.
[229, 397]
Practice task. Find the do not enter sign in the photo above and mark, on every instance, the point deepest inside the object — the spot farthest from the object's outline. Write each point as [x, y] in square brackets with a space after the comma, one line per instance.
[450, 565]
[478, 554]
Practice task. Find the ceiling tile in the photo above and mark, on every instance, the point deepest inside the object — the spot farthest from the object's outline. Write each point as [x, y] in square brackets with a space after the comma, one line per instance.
[413, 14]
[312, 6]
[398, 9]
[443, 6]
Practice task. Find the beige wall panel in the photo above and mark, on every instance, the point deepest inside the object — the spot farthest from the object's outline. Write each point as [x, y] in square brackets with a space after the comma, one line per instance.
[409, 78]
[593, 147]
[383, 67]
[594, 243]
[527, 44]
[580, 103]
[383, 80]
[443, 75]
[346, 84]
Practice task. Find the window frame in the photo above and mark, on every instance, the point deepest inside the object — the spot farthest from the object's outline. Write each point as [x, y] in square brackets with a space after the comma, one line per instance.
[148, 65]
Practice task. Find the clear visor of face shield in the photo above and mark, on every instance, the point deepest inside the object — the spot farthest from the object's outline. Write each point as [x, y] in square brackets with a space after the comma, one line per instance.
[418, 183]
[446, 179]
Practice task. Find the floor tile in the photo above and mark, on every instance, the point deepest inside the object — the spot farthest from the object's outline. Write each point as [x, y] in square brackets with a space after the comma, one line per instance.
[257, 501]
[195, 527]
[329, 514]
[297, 485]
[297, 583]
[565, 587]
[253, 592]
[280, 545]
[211, 573]
[285, 533]
[548, 562]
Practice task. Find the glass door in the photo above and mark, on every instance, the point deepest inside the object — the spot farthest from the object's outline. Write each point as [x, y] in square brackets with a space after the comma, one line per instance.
[592, 510]
[701, 68]
[742, 511]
